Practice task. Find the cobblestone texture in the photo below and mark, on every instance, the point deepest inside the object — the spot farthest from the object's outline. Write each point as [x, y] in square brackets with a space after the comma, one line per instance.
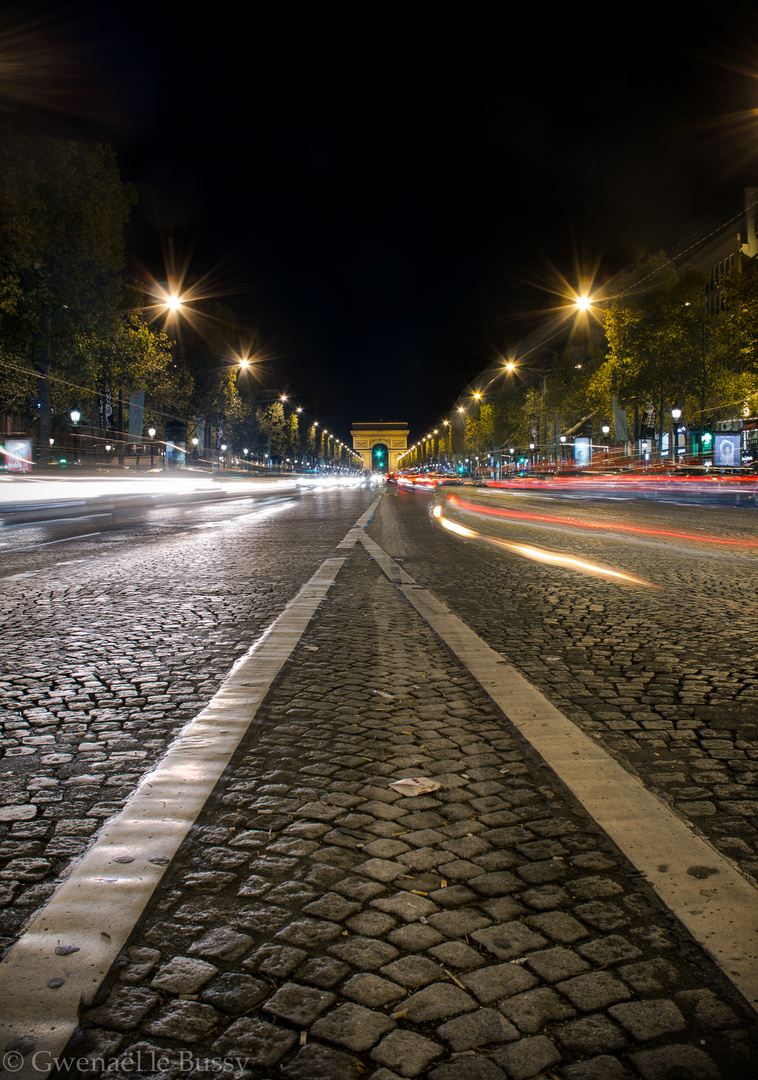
[486, 930]
[665, 678]
[131, 640]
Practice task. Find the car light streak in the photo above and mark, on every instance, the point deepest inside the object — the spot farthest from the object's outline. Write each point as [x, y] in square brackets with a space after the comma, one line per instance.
[538, 554]
[76, 492]
[605, 526]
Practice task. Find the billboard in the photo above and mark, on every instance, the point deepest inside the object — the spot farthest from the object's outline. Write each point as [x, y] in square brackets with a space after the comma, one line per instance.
[17, 456]
[582, 451]
[726, 449]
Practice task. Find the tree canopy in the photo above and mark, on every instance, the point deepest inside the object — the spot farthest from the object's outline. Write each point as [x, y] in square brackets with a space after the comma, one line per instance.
[63, 208]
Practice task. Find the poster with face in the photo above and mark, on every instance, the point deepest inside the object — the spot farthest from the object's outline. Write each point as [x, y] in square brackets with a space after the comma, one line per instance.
[582, 451]
[726, 449]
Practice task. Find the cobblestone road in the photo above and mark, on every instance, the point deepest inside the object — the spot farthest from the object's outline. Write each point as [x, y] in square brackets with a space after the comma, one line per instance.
[111, 643]
[318, 924]
[665, 678]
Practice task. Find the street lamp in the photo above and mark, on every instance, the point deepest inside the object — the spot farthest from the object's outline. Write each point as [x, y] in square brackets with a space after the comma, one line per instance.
[542, 428]
[151, 434]
[75, 418]
[676, 414]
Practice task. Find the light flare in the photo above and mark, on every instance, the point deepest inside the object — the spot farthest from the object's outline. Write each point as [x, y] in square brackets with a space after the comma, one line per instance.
[18, 492]
[604, 526]
[461, 530]
[552, 558]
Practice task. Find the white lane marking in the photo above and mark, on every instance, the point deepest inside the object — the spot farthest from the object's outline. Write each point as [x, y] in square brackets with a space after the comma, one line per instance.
[66, 539]
[394, 572]
[356, 533]
[49, 543]
[98, 905]
[704, 890]
[364, 519]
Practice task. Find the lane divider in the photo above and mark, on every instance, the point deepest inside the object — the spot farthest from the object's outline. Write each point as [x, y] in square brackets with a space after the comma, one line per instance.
[69, 947]
[704, 890]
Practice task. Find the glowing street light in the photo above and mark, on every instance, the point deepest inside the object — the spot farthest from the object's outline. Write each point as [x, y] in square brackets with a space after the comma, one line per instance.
[583, 303]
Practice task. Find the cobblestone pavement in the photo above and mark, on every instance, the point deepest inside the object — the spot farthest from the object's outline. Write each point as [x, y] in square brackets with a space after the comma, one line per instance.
[317, 924]
[666, 678]
[111, 643]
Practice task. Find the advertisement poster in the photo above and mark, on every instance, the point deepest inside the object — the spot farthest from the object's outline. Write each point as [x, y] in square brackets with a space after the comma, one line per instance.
[18, 455]
[582, 451]
[176, 453]
[726, 449]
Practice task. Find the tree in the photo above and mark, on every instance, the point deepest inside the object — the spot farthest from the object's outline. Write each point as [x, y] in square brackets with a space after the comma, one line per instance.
[271, 422]
[63, 208]
[737, 335]
[291, 434]
[18, 381]
[135, 356]
[659, 340]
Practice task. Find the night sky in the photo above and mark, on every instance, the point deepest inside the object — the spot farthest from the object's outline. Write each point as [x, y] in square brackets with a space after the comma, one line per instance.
[383, 190]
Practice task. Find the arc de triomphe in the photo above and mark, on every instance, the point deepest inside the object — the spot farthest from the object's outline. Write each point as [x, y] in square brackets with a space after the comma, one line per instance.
[367, 436]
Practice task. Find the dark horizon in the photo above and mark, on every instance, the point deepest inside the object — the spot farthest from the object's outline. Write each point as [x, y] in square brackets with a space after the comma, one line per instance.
[384, 199]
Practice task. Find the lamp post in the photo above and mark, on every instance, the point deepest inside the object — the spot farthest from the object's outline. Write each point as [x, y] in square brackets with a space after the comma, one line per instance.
[676, 414]
[151, 436]
[75, 418]
[538, 434]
